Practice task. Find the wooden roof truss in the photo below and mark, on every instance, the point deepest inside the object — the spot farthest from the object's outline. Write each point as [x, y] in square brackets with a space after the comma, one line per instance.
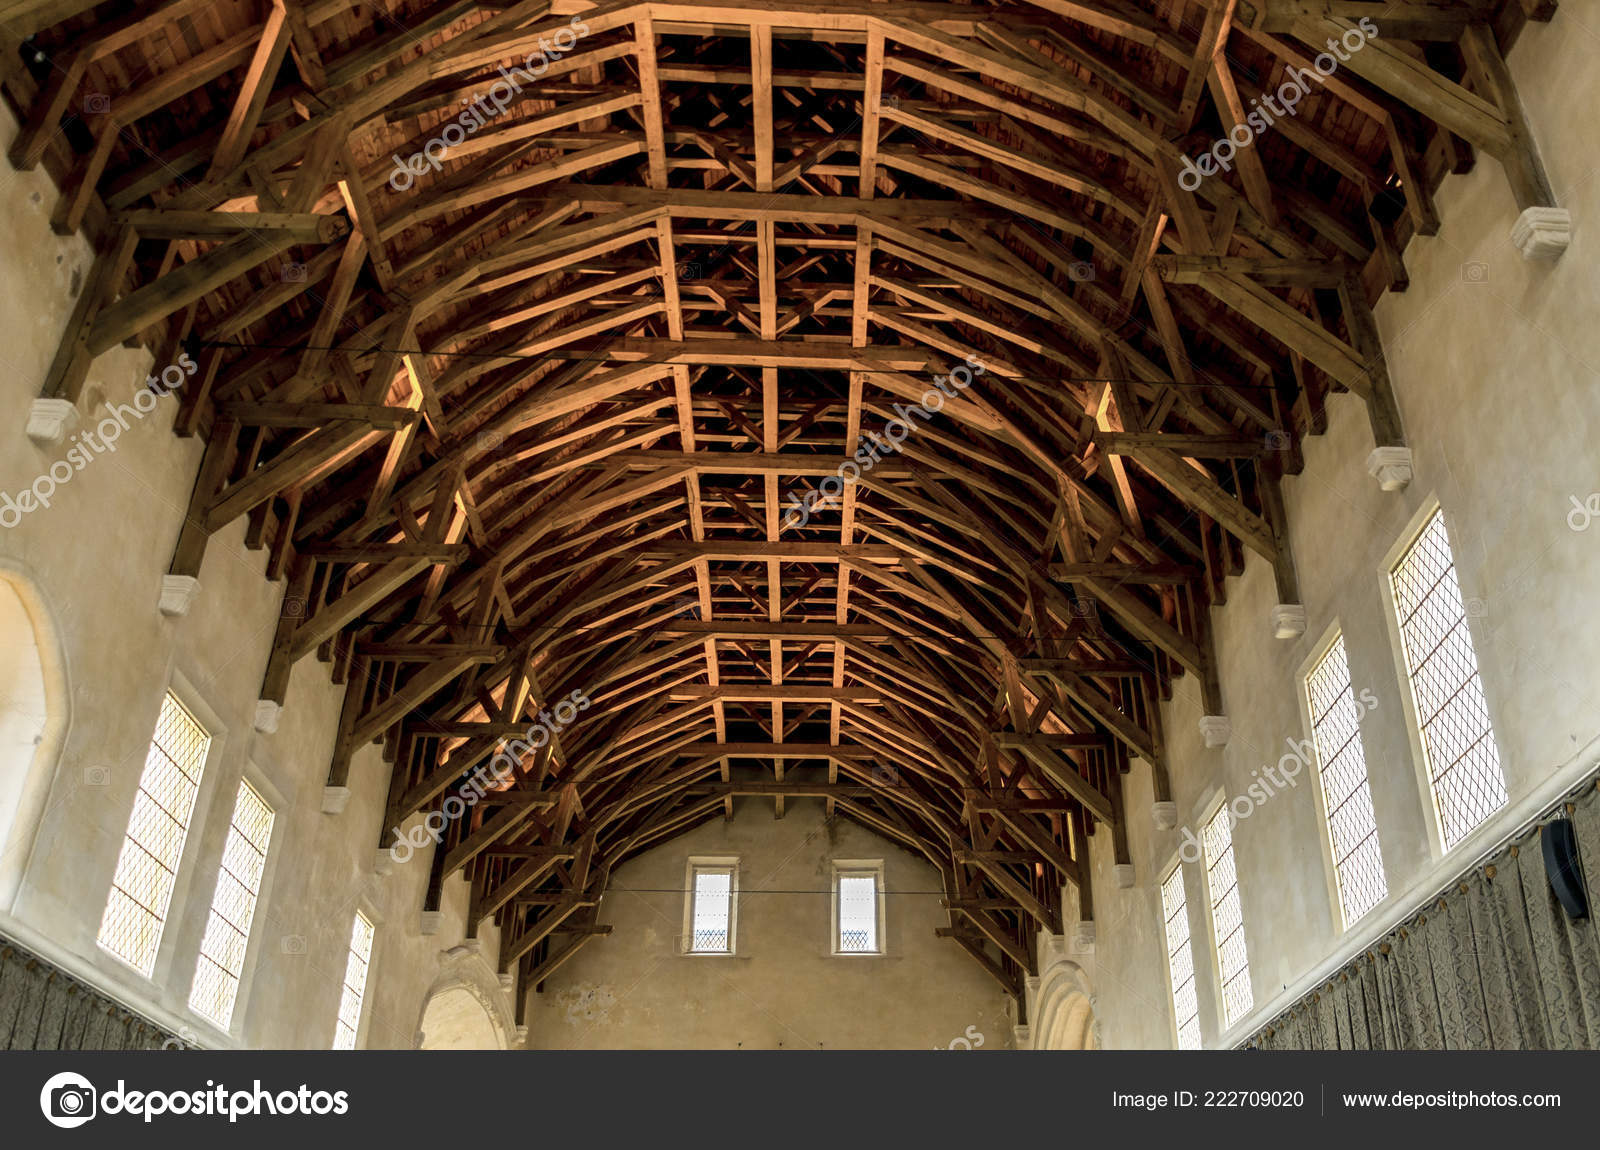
[519, 389]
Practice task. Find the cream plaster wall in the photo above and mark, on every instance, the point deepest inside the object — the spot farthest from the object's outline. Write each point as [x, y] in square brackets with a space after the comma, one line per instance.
[783, 987]
[1496, 365]
[90, 567]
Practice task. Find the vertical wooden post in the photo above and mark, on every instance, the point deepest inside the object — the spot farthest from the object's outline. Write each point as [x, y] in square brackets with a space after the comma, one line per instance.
[70, 367]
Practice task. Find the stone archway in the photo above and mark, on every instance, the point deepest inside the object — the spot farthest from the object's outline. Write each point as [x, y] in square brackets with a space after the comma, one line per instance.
[33, 720]
[1063, 1010]
[1072, 1026]
[454, 1019]
[465, 1008]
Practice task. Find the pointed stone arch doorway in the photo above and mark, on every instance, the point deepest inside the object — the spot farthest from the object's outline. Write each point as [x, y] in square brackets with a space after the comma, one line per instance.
[1063, 1010]
[466, 1008]
[33, 720]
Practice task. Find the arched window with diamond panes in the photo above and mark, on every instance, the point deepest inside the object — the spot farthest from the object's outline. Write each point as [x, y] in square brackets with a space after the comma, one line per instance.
[1348, 818]
[858, 906]
[147, 867]
[1227, 918]
[1452, 715]
[1180, 960]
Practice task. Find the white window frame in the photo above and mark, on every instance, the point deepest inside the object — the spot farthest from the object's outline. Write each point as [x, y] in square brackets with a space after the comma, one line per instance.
[1320, 652]
[172, 922]
[860, 868]
[235, 1013]
[1175, 869]
[1213, 810]
[1419, 751]
[710, 863]
[364, 1012]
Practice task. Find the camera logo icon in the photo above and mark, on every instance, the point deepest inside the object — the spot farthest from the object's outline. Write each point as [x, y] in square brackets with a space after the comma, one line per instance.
[68, 1100]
